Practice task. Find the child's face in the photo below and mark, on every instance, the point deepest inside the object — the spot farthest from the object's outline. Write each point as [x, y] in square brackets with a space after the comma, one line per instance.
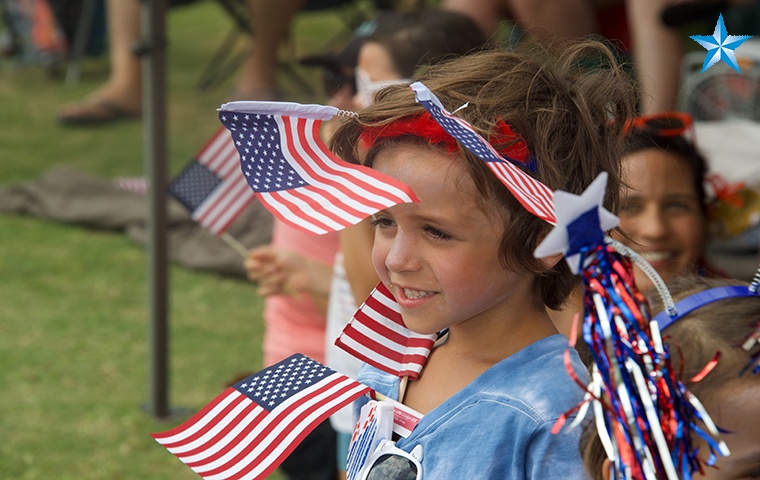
[661, 213]
[374, 70]
[736, 409]
[439, 257]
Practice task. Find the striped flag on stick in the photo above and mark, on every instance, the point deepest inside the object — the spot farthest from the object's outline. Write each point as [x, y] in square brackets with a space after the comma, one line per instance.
[251, 427]
[211, 186]
[296, 176]
[377, 335]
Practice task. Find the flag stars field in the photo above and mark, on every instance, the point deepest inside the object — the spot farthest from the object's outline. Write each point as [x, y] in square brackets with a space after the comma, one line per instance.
[296, 176]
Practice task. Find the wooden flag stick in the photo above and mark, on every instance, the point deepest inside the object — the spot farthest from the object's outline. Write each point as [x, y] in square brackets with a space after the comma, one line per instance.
[402, 388]
[232, 242]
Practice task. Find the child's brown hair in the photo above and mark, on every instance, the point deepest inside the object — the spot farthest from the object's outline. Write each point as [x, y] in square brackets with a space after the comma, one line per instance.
[570, 117]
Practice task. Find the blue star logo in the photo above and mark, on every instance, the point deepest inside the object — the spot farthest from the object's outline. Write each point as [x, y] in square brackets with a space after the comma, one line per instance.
[720, 46]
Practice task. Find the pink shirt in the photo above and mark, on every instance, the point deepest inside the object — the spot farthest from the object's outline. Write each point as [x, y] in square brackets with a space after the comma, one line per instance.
[295, 324]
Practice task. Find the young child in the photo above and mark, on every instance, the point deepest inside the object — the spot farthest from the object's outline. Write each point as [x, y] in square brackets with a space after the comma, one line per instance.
[461, 260]
[728, 393]
[400, 44]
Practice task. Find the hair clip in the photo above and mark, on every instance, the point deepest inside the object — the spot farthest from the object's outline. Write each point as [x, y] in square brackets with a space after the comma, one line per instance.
[347, 114]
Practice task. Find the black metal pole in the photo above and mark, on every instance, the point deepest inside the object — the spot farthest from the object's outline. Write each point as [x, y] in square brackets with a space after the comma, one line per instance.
[152, 48]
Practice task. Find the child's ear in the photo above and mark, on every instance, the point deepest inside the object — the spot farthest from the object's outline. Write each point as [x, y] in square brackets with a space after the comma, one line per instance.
[552, 260]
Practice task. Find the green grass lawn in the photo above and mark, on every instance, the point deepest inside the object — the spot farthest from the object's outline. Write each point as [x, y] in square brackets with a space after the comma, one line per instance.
[74, 349]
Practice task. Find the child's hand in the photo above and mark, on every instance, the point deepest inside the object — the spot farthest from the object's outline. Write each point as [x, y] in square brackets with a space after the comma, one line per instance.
[282, 272]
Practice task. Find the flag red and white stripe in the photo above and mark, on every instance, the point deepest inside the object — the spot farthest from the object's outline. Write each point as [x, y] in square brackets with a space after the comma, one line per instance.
[533, 195]
[249, 429]
[377, 335]
[296, 176]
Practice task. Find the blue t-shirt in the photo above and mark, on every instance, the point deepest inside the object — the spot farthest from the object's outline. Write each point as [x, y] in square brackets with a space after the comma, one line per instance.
[499, 426]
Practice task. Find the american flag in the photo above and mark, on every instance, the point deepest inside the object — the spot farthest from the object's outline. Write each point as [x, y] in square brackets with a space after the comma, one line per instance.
[211, 186]
[363, 439]
[296, 176]
[377, 335]
[249, 429]
[532, 194]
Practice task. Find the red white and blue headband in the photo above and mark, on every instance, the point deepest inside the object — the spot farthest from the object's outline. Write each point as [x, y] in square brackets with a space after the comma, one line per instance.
[698, 300]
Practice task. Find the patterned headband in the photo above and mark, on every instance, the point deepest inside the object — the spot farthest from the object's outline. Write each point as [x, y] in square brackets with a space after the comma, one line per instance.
[505, 141]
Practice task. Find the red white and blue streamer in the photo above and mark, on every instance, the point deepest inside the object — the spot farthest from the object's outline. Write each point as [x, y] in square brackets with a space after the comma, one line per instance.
[646, 418]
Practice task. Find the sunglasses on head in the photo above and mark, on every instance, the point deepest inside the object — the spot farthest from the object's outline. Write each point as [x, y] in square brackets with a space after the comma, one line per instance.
[389, 462]
[333, 80]
[666, 124]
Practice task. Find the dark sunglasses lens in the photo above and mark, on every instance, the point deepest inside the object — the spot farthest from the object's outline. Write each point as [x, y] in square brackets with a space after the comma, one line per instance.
[334, 81]
[393, 467]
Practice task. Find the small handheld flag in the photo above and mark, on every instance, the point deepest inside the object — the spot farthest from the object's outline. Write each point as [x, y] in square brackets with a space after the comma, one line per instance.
[296, 176]
[377, 335]
[251, 427]
[211, 186]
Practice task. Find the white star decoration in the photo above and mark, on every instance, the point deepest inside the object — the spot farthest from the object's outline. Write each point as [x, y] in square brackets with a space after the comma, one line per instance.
[569, 209]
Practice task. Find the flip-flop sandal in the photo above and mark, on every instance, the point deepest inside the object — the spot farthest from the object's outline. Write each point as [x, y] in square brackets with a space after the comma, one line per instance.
[97, 111]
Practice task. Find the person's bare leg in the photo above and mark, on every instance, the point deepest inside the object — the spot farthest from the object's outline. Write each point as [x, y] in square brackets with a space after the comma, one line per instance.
[125, 81]
[547, 20]
[544, 20]
[657, 53]
[270, 21]
[123, 88]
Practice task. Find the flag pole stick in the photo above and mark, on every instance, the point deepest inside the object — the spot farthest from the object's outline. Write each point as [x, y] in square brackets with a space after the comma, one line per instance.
[402, 388]
[151, 49]
[235, 244]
